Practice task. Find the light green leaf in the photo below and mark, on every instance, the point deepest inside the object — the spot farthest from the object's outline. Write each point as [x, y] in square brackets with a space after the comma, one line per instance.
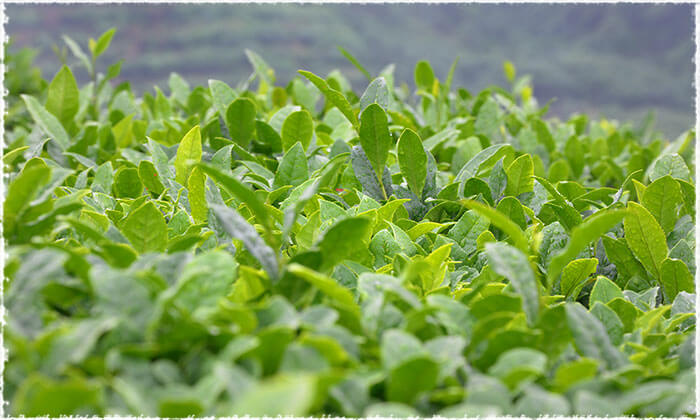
[488, 119]
[240, 191]
[519, 364]
[424, 76]
[502, 222]
[467, 230]
[222, 95]
[40, 395]
[604, 290]
[591, 229]
[575, 274]
[675, 278]
[408, 380]
[619, 254]
[235, 225]
[189, 153]
[262, 69]
[78, 52]
[327, 286]
[520, 174]
[537, 401]
[672, 165]
[333, 96]
[590, 336]
[512, 264]
[376, 92]
[663, 199]
[268, 136]
[149, 177]
[612, 323]
[240, 120]
[127, 183]
[23, 189]
[47, 121]
[102, 43]
[63, 96]
[293, 169]
[356, 63]
[298, 127]
[484, 160]
[412, 161]
[645, 238]
[353, 233]
[365, 174]
[145, 228]
[196, 195]
[278, 396]
[122, 132]
[375, 138]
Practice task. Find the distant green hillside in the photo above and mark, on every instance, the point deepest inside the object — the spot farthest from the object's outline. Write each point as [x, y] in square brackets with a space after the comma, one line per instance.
[616, 60]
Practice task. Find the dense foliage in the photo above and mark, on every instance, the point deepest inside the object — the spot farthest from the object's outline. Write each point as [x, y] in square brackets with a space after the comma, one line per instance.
[301, 250]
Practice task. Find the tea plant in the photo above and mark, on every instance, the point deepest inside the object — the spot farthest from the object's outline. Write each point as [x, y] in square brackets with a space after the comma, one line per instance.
[303, 250]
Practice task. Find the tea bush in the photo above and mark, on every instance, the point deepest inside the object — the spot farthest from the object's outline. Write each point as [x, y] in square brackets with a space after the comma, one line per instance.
[303, 250]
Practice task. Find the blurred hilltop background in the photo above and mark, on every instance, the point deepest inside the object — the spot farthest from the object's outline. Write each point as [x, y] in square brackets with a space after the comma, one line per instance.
[615, 60]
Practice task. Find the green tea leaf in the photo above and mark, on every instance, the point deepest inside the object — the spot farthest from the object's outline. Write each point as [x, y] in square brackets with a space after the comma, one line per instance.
[47, 121]
[222, 95]
[23, 189]
[645, 238]
[408, 380]
[512, 264]
[591, 229]
[293, 169]
[261, 68]
[196, 195]
[412, 161]
[240, 120]
[367, 177]
[103, 42]
[267, 135]
[663, 199]
[127, 183]
[333, 96]
[591, 338]
[355, 63]
[149, 177]
[502, 222]
[43, 396]
[145, 228]
[328, 286]
[278, 396]
[424, 76]
[240, 191]
[235, 225]
[63, 97]
[189, 153]
[604, 290]
[520, 174]
[575, 274]
[672, 165]
[675, 278]
[375, 138]
[352, 232]
[483, 160]
[297, 128]
[377, 92]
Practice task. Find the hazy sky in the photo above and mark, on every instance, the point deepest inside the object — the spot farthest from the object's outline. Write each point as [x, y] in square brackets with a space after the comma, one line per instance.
[619, 58]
